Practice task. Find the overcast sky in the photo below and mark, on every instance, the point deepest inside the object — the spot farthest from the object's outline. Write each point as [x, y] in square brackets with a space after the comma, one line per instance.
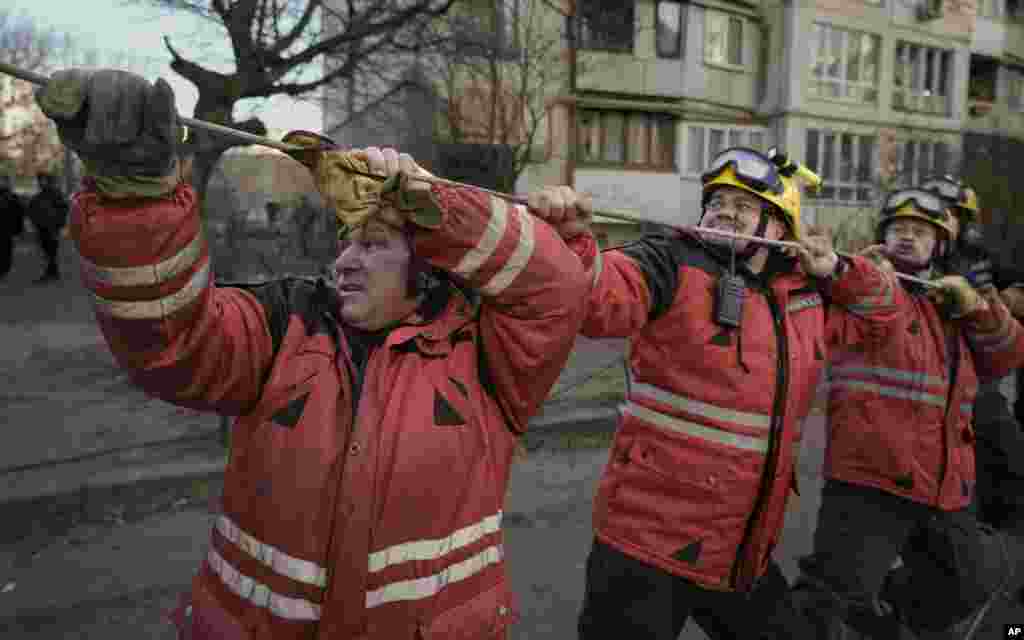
[138, 31]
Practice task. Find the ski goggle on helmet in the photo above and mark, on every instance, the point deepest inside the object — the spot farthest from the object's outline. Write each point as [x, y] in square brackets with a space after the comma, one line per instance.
[749, 167]
[956, 192]
[759, 174]
[916, 203]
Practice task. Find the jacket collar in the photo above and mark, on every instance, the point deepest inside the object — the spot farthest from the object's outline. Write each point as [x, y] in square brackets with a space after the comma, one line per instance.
[434, 335]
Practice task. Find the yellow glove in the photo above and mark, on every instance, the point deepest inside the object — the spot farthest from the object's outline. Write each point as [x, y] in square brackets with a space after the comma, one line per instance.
[352, 196]
[957, 295]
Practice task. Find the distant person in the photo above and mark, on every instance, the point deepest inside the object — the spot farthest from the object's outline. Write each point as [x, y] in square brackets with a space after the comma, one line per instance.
[12, 223]
[48, 211]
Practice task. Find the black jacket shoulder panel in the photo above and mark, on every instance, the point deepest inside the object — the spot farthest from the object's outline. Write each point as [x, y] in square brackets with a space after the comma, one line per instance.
[660, 257]
[311, 299]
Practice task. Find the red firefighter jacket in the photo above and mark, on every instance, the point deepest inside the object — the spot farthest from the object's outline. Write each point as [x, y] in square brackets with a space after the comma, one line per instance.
[355, 505]
[703, 459]
[900, 417]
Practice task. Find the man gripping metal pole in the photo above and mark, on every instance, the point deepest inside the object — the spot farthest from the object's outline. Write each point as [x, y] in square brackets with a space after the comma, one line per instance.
[900, 455]
[727, 341]
[376, 412]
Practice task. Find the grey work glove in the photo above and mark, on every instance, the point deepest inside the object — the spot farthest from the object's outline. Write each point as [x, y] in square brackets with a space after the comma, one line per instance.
[124, 128]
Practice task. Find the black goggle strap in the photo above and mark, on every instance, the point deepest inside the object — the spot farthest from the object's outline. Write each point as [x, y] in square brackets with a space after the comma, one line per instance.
[751, 168]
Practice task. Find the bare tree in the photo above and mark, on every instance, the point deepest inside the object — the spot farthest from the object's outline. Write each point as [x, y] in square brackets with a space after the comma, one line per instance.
[500, 61]
[279, 47]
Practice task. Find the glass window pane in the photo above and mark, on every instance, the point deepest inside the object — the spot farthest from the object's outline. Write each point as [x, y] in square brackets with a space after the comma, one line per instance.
[929, 71]
[914, 66]
[695, 144]
[716, 142]
[869, 58]
[668, 28]
[853, 58]
[899, 69]
[945, 69]
[614, 130]
[589, 136]
[714, 37]
[663, 143]
[909, 156]
[637, 151]
[811, 152]
[866, 159]
[835, 53]
[735, 138]
[736, 41]
[828, 156]
[819, 49]
[846, 157]
[924, 158]
[940, 163]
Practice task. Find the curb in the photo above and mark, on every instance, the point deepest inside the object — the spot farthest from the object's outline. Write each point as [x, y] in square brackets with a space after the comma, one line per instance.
[164, 477]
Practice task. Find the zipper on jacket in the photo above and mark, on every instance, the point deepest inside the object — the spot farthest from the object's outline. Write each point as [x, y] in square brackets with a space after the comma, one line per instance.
[952, 347]
[774, 441]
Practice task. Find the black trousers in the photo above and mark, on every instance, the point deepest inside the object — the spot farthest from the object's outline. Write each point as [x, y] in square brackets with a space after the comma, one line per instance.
[952, 563]
[999, 450]
[627, 598]
[49, 243]
[6, 254]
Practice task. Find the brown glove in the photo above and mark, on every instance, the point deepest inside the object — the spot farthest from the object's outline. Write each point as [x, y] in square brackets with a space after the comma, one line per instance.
[343, 179]
[957, 296]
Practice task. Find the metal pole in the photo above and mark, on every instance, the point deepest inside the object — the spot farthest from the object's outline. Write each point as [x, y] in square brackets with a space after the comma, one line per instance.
[616, 214]
[221, 130]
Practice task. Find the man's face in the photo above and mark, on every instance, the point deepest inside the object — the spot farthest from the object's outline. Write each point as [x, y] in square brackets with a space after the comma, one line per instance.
[739, 211]
[372, 271]
[911, 241]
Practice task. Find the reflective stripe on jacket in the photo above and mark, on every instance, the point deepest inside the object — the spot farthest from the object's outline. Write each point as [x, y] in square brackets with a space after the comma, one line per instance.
[900, 418]
[703, 460]
[355, 505]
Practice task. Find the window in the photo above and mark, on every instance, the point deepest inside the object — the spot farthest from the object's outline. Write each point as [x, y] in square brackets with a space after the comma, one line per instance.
[605, 25]
[991, 9]
[845, 162]
[634, 139]
[1015, 89]
[921, 159]
[487, 28]
[1012, 10]
[723, 38]
[921, 78]
[704, 142]
[668, 28]
[844, 64]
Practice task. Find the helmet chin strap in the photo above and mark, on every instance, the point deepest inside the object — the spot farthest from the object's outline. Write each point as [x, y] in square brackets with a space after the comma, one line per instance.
[752, 247]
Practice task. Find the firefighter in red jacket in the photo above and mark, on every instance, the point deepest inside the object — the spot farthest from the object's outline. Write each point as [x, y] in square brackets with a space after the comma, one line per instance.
[377, 417]
[727, 340]
[900, 456]
[998, 445]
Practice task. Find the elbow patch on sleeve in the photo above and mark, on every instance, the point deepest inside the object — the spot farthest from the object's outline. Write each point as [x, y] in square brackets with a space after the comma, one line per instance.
[659, 257]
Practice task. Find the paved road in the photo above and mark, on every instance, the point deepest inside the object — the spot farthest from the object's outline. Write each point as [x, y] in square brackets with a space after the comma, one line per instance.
[115, 581]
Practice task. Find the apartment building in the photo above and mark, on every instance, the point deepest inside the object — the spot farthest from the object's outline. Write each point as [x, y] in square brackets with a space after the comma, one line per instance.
[871, 94]
[868, 93]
